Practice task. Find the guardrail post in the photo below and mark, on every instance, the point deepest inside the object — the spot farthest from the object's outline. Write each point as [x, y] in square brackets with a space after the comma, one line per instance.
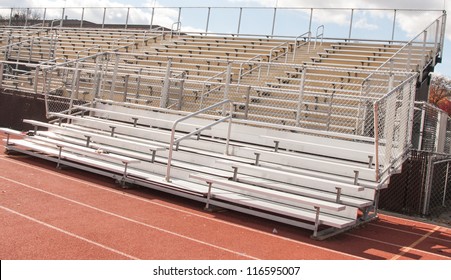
[26, 16]
[428, 184]
[151, 17]
[394, 25]
[434, 54]
[103, 20]
[113, 82]
[350, 24]
[165, 91]
[126, 18]
[442, 32]
[62, 17]
[239, 22]
[273, 21]
[10, 16]
[376, 139]
[208, 19]
[82, 17]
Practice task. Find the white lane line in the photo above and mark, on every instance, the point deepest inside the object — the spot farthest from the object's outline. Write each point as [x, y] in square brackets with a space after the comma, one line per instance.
[68, 233]
[393, 244]
[409, 232]
[53, 173]
[129, 219]
[405, 250]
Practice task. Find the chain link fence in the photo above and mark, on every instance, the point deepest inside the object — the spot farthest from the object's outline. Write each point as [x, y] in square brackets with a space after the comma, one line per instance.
[422, 189]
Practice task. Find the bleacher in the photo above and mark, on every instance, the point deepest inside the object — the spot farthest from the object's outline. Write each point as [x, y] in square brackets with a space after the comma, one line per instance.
[305, 132]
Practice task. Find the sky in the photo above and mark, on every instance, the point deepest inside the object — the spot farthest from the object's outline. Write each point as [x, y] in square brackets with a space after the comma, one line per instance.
[374, 23]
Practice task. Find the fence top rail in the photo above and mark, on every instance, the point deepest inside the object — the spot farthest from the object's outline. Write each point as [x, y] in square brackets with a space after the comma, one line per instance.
[235, 7]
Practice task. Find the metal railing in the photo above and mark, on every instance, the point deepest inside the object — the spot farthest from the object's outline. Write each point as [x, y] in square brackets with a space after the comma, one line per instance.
[176, 142]
[437, 49]
[297, 45]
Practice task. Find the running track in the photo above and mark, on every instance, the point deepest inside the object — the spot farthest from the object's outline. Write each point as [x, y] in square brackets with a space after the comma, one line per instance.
[47, 213]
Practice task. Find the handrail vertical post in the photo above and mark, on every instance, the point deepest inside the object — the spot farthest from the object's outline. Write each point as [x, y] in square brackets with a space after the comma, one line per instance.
[301, 97]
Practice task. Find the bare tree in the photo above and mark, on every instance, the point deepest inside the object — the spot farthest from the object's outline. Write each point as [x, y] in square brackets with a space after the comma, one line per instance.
[22, 17]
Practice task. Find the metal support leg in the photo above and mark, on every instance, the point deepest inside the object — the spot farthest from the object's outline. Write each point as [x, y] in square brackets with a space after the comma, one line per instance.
[356, 177]
[7, 139]
[257, 158]
[112, 130]
[338, 200]
[135, 121]
[370, 162]
[276, 146]
[154, 152]
[88, 140]
[207, 206]
[60, 150]
[317, 222]
[235, 173]
[124, 176]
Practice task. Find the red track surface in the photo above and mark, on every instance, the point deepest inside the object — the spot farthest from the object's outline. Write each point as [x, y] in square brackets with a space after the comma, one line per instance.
[47, 213]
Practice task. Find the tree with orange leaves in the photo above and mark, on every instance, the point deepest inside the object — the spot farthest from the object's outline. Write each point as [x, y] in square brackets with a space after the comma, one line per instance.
[440, 93]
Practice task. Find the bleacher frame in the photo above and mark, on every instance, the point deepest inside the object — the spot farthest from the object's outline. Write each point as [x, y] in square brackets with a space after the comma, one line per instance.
[116, 102]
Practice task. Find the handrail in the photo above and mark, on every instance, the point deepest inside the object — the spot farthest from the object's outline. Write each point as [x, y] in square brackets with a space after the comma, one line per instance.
[400, 50]
[179, 27]
[241, 73]
[270, 59]
[296, 42]
[88, 49]
[176, 122]
[318, 35]
[210, 90]
[53, 21]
